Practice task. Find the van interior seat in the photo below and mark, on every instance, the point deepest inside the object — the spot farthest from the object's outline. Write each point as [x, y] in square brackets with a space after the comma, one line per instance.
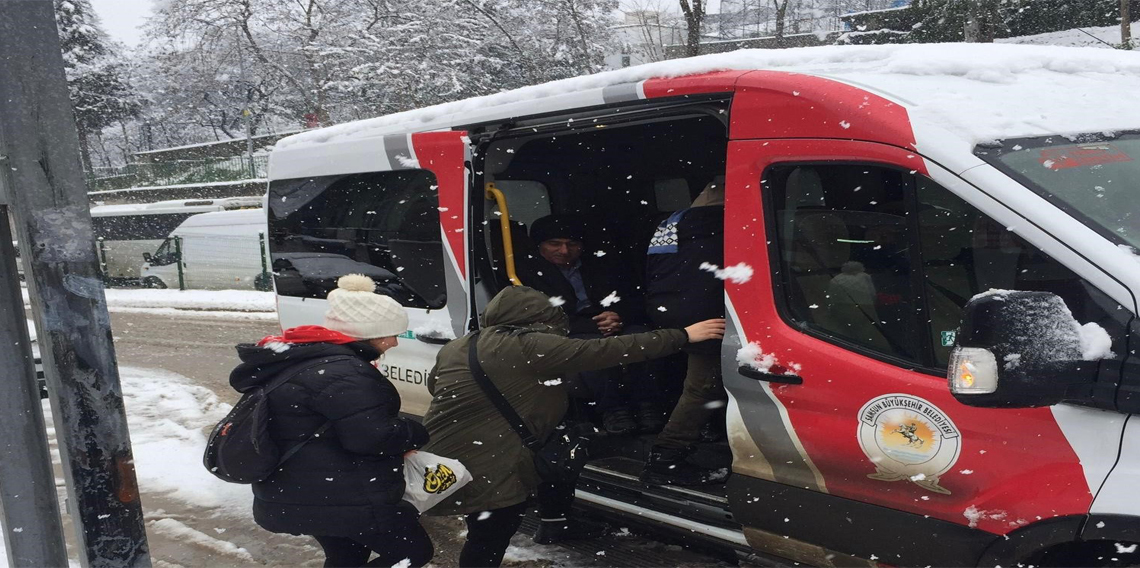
[524, 249]
[823, 275]
[815, 252]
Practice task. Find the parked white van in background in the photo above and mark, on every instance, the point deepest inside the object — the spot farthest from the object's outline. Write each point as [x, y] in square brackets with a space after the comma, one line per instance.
[127, 231]
[223, 250]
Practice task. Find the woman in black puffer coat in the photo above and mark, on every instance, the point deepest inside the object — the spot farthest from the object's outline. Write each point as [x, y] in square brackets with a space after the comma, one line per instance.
[345, 486]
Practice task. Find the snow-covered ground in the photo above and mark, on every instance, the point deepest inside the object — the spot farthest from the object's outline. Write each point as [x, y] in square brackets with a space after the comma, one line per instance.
[235, 304]
[195, 519]
[1105, 37]
[167, 417]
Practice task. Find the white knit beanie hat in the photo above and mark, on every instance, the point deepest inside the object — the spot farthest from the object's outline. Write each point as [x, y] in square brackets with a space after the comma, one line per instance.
[356, 310]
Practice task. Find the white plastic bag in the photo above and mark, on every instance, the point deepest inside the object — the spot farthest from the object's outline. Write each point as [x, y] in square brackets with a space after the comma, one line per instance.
[429, 479]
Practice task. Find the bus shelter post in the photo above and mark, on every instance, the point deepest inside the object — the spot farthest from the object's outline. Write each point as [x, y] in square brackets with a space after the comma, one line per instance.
[264, 260]
[178, 260]
[46, 189]
[103, 259]
[28, 498]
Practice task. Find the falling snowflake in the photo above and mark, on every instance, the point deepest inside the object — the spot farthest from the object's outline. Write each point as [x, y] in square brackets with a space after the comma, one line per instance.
[610, 300]
[738, 273]
[557, 301]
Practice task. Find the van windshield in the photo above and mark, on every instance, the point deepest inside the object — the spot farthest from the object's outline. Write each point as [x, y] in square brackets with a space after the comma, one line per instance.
[1095, 178]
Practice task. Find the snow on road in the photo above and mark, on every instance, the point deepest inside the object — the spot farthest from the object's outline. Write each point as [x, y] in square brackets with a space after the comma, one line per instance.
[224, 300]
[187, 508]
[169, 417]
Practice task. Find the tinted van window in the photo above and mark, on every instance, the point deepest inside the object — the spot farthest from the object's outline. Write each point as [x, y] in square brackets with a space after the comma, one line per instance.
[965, 253]
[384, 225]
[842, 234]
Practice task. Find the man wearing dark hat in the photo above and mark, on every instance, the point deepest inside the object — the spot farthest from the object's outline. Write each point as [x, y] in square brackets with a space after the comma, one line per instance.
[600, 300]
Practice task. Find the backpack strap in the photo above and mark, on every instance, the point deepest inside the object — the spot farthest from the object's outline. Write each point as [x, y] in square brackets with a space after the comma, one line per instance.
[496, 397]
[286, 377]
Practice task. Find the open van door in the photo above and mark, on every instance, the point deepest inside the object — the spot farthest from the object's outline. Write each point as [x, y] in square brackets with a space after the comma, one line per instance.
[393, 211]
[844, 432]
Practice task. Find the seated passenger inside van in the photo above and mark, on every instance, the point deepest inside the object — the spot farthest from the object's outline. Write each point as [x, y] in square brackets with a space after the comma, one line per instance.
[601, 301]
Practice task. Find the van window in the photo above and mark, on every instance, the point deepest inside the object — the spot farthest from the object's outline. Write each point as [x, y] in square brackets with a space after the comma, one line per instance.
[527, 201]
[842, 234]
[384, 225]
[965, 253]
[847, 270]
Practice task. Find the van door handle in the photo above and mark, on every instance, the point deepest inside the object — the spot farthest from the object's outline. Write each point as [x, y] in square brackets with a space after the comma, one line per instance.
[432, 339]
[770, 377]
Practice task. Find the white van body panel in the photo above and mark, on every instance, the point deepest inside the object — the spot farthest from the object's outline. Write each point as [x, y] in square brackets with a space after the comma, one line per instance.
[220, 251]
[1120, 495]
[123, 256]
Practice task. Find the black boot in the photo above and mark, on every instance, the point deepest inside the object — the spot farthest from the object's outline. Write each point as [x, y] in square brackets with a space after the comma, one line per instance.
[561, 530]
[668, 466]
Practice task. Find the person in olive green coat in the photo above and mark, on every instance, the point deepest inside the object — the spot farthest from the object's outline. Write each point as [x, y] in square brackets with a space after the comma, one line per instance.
[524, 350]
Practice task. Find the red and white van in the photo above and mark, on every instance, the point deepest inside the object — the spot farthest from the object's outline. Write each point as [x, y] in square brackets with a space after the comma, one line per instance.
[872, 192]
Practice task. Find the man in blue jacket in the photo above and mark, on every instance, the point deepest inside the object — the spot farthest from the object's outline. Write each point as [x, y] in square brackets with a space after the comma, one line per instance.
[679, 289]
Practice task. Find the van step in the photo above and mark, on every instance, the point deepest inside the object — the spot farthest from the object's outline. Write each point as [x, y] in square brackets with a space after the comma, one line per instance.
[625, 547]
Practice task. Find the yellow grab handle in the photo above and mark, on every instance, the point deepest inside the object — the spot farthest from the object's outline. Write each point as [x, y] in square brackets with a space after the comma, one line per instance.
[494, 194]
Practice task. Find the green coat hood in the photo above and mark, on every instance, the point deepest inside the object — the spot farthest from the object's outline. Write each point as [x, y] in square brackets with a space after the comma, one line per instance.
[520, 306]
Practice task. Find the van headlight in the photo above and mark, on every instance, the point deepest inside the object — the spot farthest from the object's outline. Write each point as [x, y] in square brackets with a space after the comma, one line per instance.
[973, 370]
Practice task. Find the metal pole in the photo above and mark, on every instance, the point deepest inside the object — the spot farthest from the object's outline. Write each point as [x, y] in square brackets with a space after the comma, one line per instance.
[178, 259]
[47, 193]
[28, 499]
[103, 258]
[264, 261]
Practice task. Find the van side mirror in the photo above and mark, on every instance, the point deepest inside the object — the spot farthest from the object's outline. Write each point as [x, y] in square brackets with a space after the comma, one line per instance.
[1020, 349]
[147, 257]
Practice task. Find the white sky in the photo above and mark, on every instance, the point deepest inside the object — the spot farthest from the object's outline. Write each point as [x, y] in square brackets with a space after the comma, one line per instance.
[121, 18]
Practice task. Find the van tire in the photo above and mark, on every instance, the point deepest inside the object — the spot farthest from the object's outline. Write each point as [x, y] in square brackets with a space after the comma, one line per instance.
[1086, 553]
[154, 282]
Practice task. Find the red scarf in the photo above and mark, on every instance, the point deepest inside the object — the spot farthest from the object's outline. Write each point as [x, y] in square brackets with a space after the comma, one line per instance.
[308, 334]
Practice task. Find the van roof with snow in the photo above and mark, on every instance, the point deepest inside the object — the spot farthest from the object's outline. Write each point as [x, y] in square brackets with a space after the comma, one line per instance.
[224, 219]
[961, 94]
[175, 206]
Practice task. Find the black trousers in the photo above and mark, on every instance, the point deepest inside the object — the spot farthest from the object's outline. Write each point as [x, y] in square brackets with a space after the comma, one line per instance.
[406, 541]
[489, 532]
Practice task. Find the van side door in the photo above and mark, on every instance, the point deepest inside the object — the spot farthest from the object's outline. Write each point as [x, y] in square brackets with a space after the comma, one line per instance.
[845, 435]
[400, 222]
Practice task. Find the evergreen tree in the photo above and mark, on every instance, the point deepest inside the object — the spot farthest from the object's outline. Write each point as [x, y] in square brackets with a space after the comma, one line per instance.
[99, 94]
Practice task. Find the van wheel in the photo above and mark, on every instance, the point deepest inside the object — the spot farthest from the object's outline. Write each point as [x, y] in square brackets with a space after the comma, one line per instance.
[1089, 553]
[154, 282]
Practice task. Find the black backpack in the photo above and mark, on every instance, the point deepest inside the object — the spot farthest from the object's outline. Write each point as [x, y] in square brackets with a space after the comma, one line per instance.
[239, 450]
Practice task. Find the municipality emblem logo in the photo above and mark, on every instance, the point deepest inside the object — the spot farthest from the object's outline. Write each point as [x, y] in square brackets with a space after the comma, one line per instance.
[907, 437]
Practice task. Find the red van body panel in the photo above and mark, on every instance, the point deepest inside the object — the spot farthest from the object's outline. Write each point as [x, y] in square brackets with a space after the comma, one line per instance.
[443, 154]
[1013, 466]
